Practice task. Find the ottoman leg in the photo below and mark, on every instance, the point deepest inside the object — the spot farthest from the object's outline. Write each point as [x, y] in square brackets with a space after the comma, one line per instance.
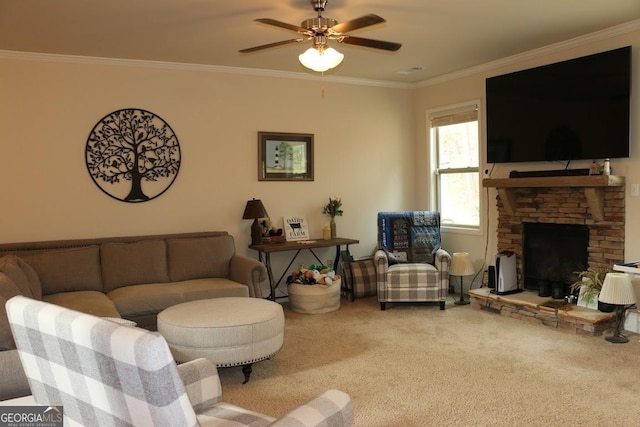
[246, 370]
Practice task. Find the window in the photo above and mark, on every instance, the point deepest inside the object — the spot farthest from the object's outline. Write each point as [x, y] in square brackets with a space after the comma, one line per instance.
[455, 165]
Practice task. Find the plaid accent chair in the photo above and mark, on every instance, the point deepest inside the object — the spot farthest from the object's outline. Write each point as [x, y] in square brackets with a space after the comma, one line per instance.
[106, 374]
[410, 264]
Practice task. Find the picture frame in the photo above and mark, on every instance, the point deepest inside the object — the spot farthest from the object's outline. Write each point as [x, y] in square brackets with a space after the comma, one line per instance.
[584, 302]
[285, 156]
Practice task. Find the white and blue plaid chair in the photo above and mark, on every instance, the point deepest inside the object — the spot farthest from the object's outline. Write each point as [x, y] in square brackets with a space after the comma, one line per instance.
[411, 265]
[106, 374]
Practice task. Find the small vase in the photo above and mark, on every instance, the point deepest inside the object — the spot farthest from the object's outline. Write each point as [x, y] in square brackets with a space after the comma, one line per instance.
[333, 228]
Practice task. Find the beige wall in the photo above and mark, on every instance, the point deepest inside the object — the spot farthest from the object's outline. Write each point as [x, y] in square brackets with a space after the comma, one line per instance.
[370, 148]
[364, 150]
[470, 86]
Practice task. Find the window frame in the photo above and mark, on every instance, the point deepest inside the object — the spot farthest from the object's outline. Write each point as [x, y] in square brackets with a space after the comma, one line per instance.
[435, 172]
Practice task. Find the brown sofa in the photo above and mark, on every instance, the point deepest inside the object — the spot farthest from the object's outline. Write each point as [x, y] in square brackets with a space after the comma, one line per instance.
[132, 277]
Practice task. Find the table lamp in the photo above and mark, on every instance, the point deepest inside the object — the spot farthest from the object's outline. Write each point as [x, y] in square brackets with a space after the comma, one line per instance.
[617, 290]
[255, 210]
[461, 265]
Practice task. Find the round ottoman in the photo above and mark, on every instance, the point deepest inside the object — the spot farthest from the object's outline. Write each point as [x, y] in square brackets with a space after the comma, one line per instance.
[314, 299]
[229, 331]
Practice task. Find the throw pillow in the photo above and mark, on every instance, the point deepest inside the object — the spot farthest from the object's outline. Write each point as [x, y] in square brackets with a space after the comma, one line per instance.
[134, 263]
[8, 289]
[6, 337]
[195, 258]
[10, 266]
[391, 258]
[66, 270]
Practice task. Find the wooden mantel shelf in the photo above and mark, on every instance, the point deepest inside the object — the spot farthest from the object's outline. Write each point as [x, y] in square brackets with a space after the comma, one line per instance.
[593, 187]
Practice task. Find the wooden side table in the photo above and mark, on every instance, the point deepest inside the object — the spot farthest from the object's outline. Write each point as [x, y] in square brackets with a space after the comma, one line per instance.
[266, 249]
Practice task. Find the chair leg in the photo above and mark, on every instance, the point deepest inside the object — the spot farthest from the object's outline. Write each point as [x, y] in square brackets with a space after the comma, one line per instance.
[246, 370]
[383, 305]
[441, 305]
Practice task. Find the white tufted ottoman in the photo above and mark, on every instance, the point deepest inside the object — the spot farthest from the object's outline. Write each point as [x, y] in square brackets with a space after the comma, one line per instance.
[229, 331]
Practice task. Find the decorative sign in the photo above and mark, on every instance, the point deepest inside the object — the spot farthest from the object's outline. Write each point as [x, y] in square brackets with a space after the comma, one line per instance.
[295, 228]
[133, 155]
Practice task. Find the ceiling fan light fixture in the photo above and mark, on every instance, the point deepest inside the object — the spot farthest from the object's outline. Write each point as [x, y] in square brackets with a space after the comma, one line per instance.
[321, 60]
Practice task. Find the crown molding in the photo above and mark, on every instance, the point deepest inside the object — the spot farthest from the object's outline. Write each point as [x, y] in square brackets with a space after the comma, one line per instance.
[597, 36]
[92, 60]
[514, 59]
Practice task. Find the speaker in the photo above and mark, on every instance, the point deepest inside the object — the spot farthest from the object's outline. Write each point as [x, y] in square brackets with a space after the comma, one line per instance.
[492, 276]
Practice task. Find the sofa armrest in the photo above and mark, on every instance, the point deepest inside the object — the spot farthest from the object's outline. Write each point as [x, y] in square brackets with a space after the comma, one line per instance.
[332, 408]
[14, 380]
[250, 272]
[381, 260]
[442, 261]
[201, 382]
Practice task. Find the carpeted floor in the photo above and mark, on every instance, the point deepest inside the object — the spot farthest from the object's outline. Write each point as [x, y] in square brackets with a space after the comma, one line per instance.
[415, 365]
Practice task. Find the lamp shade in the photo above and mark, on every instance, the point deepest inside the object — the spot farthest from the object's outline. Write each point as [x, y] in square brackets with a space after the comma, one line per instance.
[254, 209]
[321, 60]
[617, 289]
[461, 264]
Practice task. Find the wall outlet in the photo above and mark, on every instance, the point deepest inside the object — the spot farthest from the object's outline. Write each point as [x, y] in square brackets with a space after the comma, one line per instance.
[634, 190]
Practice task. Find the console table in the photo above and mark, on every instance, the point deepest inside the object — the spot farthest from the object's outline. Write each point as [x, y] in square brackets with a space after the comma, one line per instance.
[266, 249]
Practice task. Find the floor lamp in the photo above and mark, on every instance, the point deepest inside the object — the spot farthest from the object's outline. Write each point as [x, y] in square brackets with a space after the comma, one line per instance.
[461, 265]
[617, 290]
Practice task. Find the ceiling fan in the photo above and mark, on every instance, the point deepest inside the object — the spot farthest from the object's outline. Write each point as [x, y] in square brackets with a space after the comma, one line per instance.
[320, 30]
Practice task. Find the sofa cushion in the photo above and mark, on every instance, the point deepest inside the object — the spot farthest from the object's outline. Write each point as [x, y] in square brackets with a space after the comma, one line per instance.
[14, 380]
[195, 258]
[152, 298]
[8, 289]
[22, 275]
[66, 270]
[6, 337]
[136, 263]
[90, 302]
[216, 287]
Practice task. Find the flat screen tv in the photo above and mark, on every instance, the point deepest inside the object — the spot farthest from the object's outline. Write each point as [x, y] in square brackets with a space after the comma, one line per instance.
[571, 110]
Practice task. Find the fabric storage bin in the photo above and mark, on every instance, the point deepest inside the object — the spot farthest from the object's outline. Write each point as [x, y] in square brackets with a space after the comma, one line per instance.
[314, 299]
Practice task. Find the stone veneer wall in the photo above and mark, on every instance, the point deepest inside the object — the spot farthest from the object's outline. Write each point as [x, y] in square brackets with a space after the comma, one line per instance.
[566, 205]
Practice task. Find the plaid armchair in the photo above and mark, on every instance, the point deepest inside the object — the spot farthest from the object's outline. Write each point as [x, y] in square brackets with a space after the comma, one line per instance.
[410, 264]
[106, 374]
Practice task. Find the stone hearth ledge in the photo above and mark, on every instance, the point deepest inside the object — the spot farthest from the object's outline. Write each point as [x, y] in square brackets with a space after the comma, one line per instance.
[528, 306]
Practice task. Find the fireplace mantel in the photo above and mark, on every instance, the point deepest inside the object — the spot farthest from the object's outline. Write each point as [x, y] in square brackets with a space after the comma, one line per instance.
[593, 187]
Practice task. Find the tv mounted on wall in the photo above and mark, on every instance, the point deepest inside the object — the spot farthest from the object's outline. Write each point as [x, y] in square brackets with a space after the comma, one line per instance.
[571, 110]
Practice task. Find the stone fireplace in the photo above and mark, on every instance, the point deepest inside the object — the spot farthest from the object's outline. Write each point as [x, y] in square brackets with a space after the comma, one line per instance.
[594, 204]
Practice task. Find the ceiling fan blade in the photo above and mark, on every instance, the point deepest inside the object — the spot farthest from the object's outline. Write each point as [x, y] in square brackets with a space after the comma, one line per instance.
[270, 45]
[284, 25]
[356, 24]
[376, 44]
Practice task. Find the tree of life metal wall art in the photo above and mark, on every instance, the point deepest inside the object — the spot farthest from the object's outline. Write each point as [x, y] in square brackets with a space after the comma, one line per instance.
[133, 155]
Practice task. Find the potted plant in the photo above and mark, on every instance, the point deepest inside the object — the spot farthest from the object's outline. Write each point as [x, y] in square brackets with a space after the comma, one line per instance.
[333, 209]
[589, 283]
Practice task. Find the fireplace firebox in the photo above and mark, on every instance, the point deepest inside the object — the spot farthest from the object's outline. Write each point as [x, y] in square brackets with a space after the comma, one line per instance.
[552, 253]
